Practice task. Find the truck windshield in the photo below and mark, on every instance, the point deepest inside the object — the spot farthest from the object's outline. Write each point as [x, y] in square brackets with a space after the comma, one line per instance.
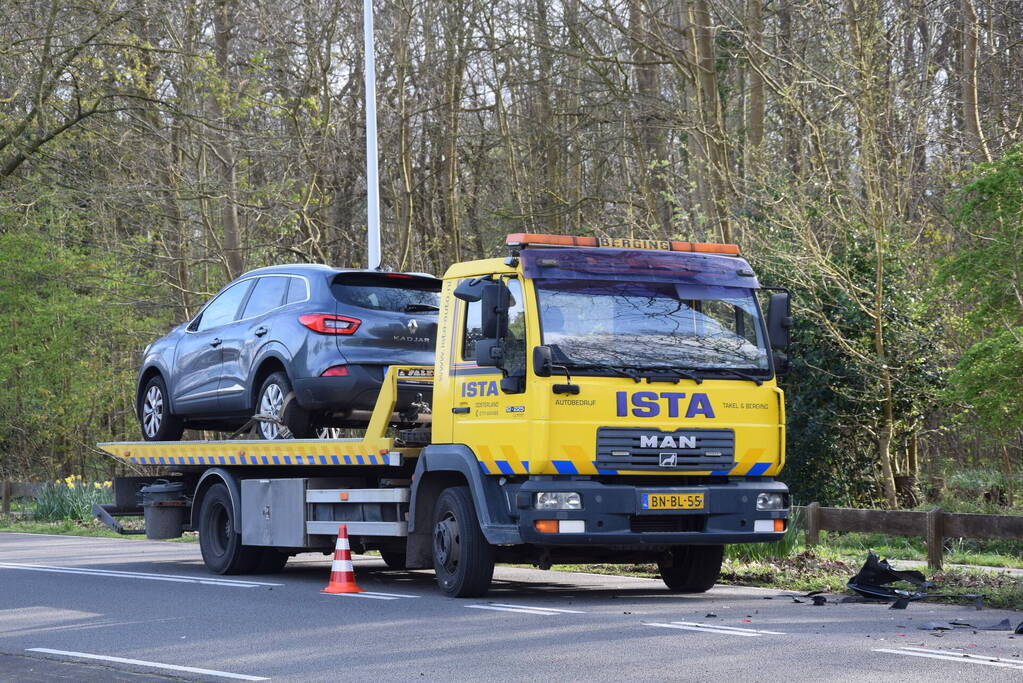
[651, 325]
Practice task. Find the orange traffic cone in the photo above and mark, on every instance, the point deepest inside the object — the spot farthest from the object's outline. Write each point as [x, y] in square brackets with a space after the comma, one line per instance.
[342, 574]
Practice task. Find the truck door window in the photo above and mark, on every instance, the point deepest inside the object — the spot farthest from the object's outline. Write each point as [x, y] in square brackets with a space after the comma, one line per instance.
[513, 344]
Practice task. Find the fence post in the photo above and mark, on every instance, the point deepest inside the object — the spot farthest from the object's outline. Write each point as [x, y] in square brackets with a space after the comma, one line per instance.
[5, 507]
[813, 523]
[935, 539]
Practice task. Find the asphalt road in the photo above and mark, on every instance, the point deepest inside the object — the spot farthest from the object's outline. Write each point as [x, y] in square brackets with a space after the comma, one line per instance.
[90, 609]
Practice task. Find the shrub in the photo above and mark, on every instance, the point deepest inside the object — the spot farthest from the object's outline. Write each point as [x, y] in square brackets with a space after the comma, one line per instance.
[70, 499]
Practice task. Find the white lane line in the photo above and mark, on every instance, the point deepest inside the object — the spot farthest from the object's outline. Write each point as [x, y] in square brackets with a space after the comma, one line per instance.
[176, 578]
[374, 595]
[520, 610]
[721, 627]
[956, 657]
[702, 629]
[152, 665]
[544, 609]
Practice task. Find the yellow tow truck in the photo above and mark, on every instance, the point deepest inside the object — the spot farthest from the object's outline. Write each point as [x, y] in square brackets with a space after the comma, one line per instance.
[591, 400]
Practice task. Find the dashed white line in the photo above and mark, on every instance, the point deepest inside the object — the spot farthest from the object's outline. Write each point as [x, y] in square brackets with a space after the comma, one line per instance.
[545, 609]
[524, 609]
[111, 573]
[961, 657]
[373, 595]
[712, 628]
[152, 665]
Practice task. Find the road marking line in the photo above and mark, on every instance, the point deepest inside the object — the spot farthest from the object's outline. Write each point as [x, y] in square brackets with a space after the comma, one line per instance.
[956, 657]
[703, 629]
[153, 665]
[514, 609]
[176, 578]
[729, 628]
[374, 595]
[545, 609]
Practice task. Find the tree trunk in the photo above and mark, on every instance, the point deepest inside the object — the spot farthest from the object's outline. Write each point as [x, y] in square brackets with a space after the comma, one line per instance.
[224, 24]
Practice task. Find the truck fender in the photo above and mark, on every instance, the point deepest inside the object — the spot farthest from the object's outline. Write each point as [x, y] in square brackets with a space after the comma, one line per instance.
[447, 465]
[213, 476]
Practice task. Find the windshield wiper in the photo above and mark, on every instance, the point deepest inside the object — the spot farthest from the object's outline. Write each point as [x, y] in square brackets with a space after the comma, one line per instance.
[740, 374]
[681, 374]
[411, 308]
[622, 372]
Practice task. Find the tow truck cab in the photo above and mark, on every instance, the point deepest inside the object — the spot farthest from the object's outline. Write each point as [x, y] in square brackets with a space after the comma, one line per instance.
[619, 402]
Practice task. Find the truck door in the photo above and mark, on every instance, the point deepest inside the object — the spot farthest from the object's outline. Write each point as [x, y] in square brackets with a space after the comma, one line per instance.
[492, 421]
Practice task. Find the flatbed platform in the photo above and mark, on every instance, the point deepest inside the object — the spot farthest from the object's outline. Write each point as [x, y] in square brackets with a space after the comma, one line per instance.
[323, 452]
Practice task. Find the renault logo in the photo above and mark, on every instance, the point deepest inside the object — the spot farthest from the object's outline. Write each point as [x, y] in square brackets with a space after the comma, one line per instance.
[412, 326]
[669, 459]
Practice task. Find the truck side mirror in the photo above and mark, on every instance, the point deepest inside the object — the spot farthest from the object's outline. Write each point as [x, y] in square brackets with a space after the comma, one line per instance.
[495, 301]
[542, 361]
[489, 353]
[779, 320]
[470, 290]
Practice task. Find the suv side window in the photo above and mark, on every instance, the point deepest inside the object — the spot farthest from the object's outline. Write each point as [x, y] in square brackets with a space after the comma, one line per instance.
[297, 290]
[224, 308]
[267, 294]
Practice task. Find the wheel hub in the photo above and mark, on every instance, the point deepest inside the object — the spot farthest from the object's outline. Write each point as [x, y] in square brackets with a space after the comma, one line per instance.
[446, 544]
[271, 403]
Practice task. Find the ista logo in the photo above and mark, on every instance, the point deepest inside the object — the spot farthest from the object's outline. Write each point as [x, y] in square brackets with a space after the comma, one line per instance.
[651, 404]
[472, 389]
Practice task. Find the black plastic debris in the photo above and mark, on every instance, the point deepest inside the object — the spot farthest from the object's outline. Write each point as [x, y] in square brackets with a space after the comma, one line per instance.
[873, 578]
[819, 600]
[1019, 629]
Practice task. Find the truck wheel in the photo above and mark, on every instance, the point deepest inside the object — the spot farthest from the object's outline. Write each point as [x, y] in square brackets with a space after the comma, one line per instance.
[221, 545]
[271, 401]
[394, 559]
[462, 558]
[691, 568]
[154, 413]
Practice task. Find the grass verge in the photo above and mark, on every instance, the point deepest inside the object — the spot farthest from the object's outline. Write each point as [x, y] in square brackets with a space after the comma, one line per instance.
[69, 527]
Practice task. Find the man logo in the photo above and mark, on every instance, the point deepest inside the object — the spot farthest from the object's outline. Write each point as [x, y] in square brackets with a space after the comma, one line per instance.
[667, 441]
[412, 326]
[669, 459]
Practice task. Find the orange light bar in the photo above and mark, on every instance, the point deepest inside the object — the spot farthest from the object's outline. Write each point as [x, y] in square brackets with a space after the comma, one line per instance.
[525, 239]
[546, 526]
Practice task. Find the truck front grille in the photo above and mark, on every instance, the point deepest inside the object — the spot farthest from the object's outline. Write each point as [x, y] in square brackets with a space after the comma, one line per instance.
[636, 448]
[666, 523]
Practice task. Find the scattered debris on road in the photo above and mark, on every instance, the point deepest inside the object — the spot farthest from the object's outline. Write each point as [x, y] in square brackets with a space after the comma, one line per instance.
[871, 582]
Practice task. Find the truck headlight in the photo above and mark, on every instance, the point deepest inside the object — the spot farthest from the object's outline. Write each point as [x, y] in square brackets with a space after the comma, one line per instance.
[557, 500]
[771, 501]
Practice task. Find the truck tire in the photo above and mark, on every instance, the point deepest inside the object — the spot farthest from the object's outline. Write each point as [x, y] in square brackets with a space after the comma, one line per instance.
[221, 545]
[271, 400]
[394, 559]
[691, 568]
[462, 558]
[154, 413]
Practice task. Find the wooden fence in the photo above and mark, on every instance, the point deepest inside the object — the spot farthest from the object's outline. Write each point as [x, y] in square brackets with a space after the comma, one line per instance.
[934, 524]
[9, 490]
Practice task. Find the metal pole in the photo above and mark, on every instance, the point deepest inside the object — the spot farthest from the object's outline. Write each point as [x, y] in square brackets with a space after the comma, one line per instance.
[372, 182]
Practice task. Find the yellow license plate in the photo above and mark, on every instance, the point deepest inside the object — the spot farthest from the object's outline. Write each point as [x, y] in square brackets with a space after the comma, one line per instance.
[672, 501]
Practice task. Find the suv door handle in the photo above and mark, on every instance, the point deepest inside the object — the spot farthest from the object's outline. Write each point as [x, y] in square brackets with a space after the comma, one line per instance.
[216, 341]
[260, 331]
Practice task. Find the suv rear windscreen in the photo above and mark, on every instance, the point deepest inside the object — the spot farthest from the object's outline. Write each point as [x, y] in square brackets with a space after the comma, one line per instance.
[388, 292]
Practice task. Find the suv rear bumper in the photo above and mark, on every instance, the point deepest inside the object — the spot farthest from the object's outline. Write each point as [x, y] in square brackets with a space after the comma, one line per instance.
[613, 514]
[357, 390]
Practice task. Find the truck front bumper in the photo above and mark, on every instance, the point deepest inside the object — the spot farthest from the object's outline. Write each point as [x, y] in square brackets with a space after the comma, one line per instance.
[614, 514]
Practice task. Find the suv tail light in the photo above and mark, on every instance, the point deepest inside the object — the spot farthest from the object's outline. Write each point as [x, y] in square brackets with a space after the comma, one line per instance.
[326, 323]
[335, 371]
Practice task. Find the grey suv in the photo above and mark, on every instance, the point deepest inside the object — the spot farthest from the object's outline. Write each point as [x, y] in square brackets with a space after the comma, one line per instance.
[322, 334]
